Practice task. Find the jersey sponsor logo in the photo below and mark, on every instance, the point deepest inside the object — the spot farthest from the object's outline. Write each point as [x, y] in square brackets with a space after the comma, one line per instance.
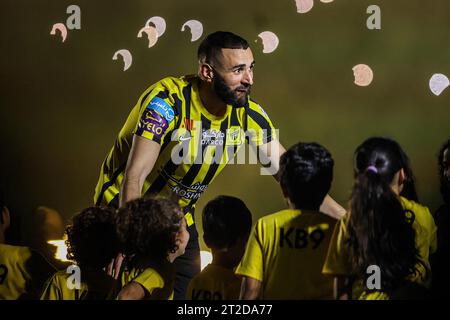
[152, 122]
[162, 107]
[300, 238]
[188, 124]
[235, 136]
[212, 137]
[192, 192]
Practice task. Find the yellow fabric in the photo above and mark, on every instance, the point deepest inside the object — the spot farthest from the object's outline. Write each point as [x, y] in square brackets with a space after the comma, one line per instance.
[174, 103]
[286, 252]
[338, 261]
[23, 273]
[214, 283]
[93, 286]
[150, 279]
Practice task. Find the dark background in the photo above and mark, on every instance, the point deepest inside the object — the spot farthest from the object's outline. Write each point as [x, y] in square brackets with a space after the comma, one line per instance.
[62, 104]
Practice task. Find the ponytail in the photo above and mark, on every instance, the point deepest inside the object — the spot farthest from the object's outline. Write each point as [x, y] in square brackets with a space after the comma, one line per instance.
[380, 231]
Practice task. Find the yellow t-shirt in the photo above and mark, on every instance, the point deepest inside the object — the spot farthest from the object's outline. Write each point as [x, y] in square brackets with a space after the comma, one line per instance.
[158, 284]
[338, 262]
[23, 272]
[214, 283]
[286, 252]
[171, 113]
[94, 285]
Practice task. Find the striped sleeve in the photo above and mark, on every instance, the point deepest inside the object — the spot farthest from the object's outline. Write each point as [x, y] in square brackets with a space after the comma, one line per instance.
[260, 129]
[157, 114]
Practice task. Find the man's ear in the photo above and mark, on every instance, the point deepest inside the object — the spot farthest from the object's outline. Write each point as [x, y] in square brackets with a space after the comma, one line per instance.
[205, 72]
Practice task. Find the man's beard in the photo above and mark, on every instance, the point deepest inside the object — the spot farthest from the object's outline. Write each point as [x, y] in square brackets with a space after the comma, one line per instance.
[230, 96]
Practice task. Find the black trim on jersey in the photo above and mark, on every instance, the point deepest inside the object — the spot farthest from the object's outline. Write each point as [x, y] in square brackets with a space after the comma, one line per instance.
[187, 99]
[214, 166]
[195, 168]
[108, 184]
[262, 123]
[234, 121]
[161, 180]
[178, 109]
[163, 94]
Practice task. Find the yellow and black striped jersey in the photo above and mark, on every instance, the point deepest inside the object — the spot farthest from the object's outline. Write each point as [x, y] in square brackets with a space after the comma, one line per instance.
[93, 285]
[286, 252]
[23, 272]
[214, 283]
[195, 145]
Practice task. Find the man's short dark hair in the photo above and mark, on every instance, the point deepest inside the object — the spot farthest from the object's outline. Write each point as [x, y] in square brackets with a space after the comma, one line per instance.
[225, 219]
[210, 49]
[306, 172]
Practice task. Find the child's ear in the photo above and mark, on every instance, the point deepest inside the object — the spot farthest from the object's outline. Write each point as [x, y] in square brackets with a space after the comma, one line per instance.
[6, 218]
[401, 177]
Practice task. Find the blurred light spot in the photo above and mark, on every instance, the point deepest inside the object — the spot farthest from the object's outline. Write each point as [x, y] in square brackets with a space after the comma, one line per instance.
[126, 56]
[363, 75]
[152, 35]
[205, 259]
[303, 6]
[61, 249]
[270, 41]
[159, 23]
[196, 29]
[61, 28]
[438, 83]
[326, 1]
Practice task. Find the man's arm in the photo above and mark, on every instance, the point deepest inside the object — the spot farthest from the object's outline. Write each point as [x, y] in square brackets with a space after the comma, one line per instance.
[332, 208]
[269, 155]
[142, 158]
[132, 291]
[250, 289]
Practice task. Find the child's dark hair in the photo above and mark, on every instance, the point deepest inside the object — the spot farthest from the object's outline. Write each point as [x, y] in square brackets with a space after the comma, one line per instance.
[380, 231]
[225, 219]
[444, 183]
[91, 237]
[147, 227]
[306, 172]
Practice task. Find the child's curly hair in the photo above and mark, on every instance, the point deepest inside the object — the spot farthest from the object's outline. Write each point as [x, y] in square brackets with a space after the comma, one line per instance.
[91, 238]
[148, 227]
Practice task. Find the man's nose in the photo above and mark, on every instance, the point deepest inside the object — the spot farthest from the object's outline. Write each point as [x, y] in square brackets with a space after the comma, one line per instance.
[248, 77]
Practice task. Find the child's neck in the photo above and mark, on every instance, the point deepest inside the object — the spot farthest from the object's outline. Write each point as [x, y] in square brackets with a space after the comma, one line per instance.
[223, 259]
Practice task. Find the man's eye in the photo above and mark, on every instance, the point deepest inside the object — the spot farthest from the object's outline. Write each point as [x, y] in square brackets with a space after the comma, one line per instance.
[237, 71]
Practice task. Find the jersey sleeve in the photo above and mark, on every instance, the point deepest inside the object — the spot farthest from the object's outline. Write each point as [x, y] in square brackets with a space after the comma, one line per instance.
[157, 115]
[52, 289]
[338, 261]
[252, 263]
[150, 280]
[260, 129]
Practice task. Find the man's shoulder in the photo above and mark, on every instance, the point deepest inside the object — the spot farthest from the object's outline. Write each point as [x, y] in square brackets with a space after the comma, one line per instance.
[256, 107]
[174, 83]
